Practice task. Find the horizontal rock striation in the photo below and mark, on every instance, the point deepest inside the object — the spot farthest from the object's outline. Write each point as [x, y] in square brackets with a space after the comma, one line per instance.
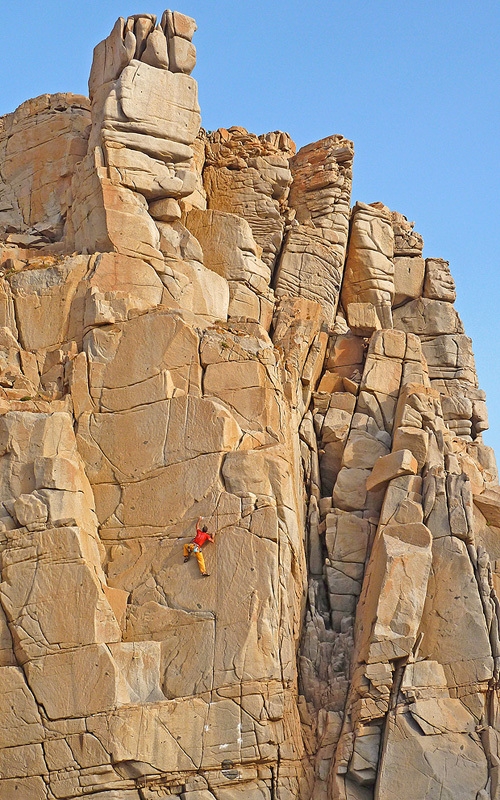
[200, 325]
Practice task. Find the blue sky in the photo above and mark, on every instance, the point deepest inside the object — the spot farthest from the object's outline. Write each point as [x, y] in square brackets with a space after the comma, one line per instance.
[414, 84]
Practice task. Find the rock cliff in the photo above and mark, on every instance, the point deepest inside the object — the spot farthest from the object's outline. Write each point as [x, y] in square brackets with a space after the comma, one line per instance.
[200, 324]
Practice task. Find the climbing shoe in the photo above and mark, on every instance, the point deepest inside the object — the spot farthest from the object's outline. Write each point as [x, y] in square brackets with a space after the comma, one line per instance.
[186, 558]
[205, 574]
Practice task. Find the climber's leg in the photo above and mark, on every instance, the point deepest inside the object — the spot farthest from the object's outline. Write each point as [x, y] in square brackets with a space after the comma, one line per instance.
[201, 561]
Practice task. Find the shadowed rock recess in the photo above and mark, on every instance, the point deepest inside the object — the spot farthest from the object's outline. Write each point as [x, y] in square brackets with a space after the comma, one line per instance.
[200, 324]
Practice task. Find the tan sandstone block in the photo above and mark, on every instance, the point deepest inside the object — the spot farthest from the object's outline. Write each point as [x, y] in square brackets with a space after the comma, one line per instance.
[382, 375]
[424, 674]
[369, 270]
[453, 620]
[394, 591]
[439, 283]
[55, 606]
[296, 324]
[312, 268]
[408, 279]
[489, 504]
[450, 357]
[336, 425]
[141, 93]
[143, 173]
[129, 442]
[43, 141]
[244, 304]
[7, 657]
[118, 600]
[128, 279]
[111, 55]
[165, 210]
[393, 465]
[347, 538]
[30, 509]
[191, 286]
[70, 509]
[179, 24]
[20, 721]
[330, 382]
[187, 644]
[98, 688]
[170, 496]
[442, 715]
[363, 318]
[24, 788]
[350, 490]
[416, 404]
[20, 762]
[256, 189]
[156, 53]
[46, 303]
[347, 350]
[390, 343]
[362, 450]
[86, 750]
[139, 664]
[57, 473]
[182, 55]
[229, 247]
[245, 387]
[152, 390]
[330, 462]
[364, 762]
[415, 440]
[141, 348]
[406, 240]
[450, 765]
[171, 733]
[428, 318]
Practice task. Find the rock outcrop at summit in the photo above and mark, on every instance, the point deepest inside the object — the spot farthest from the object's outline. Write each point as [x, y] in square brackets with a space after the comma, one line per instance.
[199, 324]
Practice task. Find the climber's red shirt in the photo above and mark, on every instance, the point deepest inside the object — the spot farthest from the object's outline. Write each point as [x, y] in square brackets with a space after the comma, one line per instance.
[202, 537]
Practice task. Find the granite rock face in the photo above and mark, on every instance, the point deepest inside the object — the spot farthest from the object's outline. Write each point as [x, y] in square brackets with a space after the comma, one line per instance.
[199, 324]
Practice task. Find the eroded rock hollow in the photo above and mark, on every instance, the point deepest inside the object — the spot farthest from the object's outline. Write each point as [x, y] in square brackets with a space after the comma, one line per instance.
[201, 325]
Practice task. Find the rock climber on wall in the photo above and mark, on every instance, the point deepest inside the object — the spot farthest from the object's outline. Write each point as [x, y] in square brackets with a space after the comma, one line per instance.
[195, 546]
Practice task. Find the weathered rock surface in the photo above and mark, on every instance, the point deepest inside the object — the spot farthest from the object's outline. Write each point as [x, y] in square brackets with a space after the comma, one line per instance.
[250, 176]
[197, 325]
[313, 254]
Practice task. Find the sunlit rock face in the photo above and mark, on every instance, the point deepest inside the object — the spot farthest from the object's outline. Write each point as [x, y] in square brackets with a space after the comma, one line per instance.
[201, 324]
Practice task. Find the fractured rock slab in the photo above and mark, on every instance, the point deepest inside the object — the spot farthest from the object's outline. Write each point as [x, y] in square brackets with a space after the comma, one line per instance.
[393, 465]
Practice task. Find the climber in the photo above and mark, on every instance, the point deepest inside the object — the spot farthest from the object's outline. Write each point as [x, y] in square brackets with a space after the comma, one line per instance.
[195, 546]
